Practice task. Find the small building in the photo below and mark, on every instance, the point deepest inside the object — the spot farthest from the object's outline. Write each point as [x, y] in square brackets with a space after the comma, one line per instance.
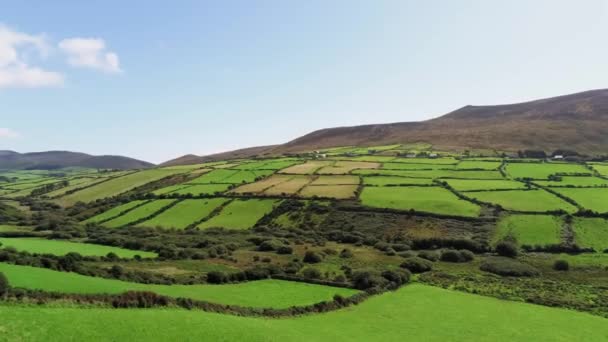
[410, 155]
[558, 157]
[433, 155]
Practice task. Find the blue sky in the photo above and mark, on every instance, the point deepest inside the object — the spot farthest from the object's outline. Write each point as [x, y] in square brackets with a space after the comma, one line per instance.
[156, 81]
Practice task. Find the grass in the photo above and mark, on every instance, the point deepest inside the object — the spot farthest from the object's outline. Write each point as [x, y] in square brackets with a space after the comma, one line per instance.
[59, 247]
[138, 213]
[543, 170]
[336, 180]
[591, 232]
[115, 186]
[289, 187]
[529, 229]
[184, 213]
[412, 166]
[263, 293]
[575, 182]
[428, 199]
[415, 312]
[263, 184]
[228, 176]
[524, 200]
[485, 165]
[343, 167]
[595, 199]
[307, 168]
[113, 212]
[240, 214]
[602, 169]
[395, 180]
[333, 191]
[476, 184]
[13, 228]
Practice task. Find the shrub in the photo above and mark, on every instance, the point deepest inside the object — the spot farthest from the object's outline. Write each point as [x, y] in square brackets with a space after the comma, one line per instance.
[506, 249]
[270, 245]
[417, 265]
[284, 250]
[450, 255]
[4, 285]
[429, 255]
[346, 253]
[399, 277]
[561, 265]
[312, 257]
[311, 273]
[216, 277]
[366, 279]
[467, 255]
[508, 267]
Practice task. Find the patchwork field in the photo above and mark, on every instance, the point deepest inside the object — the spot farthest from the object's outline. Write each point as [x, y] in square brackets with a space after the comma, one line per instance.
[331, 191]
[595, 199]
[270, 164]
[114, 212]
[115, 186]
[543, 170]
[262, 185]
[591, 232]
[433, 173]
[570, 181]
[240, 214]
[395, 180]
[524, 200]
[529, 230]
[479, 165]
[427, 199]
[601, 168]
[184, 213]
[138, 213]
[263, 293]
[341, 167]
[419, 312]
[477, 184]
[230, 176]
[307, 168]
[336, 180]
[200, 189]
[59, 247]
[289, 187]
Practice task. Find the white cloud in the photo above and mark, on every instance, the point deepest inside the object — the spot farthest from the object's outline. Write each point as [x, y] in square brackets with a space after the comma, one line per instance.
[90, 53]
[15, 71]
[8, 133]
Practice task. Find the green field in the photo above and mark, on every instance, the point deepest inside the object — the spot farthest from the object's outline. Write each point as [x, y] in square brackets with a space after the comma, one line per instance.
[433, 173]
[240, 214]
[113, 212]
[529, 229]
[602, 169]
[263, 293]
[572, 181]
[138, 213]
[543, 170]
[13, 228]
[524, 200]
[412, 166]
[477, 184]
[483, 165]
[591, 232]
[59, 247]
[415, 312]
[395, 180]
[184, 213]
[116, 186]
[428, 199]
[230, 176]
[595, 199]
[201, 189]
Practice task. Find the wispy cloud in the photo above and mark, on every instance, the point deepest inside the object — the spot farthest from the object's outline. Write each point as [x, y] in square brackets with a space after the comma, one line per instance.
[15, 71]
[90, 53]
[8, 133]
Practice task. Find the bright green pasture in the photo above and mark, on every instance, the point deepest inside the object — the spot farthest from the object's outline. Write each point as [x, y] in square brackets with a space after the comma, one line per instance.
[433, 173]
[201, 189]
[268, 164]
[575, 182]
[116, 186]
[184, 213]
[106, 215]
[75, 184]
[138, 213]
[476, 184]
[59, 247]
[439, 161]
[263, 293]
[601, 168]
[230, 176]
[524, 200]
[595, 199]
[483, 165]
[429, 199]
[591, 232]
[543, 170]
[529, 229]
[12, 228]
[415, 312]
[240, 214]
[169, 189]
[412, 166]
[395, 180]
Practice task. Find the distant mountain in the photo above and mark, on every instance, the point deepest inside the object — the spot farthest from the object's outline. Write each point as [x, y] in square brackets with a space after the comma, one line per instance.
[576, 122]
[10, 160]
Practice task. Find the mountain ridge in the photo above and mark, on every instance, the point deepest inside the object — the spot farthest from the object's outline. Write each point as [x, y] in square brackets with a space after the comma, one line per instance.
[48, 160]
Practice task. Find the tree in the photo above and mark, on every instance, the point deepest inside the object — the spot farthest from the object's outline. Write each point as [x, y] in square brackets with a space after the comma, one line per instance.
[4, 285]
[312, 257]
[506, 249]
[561, 265]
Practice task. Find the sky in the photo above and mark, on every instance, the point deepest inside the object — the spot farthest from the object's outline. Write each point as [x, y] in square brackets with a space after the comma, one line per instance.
[156, 80]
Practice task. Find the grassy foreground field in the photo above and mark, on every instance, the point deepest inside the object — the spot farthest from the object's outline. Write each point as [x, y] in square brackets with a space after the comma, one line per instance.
[58, 247]
[524, 200]
[415, 312]
[529, 229]
[262, 293]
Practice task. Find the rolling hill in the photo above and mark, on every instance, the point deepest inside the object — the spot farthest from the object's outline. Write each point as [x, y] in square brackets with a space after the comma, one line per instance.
[575, 122]
[58, 159]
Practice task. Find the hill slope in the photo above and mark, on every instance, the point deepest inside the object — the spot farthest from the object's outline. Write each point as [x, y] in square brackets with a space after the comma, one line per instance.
[578, 122]
[59, 159]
